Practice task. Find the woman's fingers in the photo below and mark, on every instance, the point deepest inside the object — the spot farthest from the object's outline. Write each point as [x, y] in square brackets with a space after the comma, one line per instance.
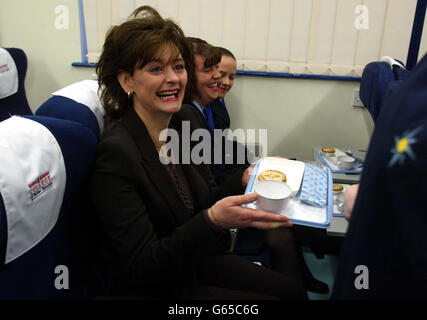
[243, 199]
[247, 174]
[231, 213]
[253, 215]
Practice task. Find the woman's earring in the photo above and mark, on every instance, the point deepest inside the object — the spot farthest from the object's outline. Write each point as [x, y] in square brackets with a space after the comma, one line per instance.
[129, 95]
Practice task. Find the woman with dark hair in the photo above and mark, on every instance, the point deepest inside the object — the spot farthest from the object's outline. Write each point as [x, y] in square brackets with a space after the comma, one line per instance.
[198, 106]
[166, 227]
[228, 71]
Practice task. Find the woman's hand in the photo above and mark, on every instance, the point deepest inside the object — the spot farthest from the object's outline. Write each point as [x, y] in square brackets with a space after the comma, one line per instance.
[247, 174]
[228, 213]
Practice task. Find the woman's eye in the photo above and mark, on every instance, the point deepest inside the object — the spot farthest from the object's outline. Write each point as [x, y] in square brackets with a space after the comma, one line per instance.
[155, 69]
[179, 67]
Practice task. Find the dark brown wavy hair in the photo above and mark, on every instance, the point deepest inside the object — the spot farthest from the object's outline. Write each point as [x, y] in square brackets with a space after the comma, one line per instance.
[213, 57]
[132, 45]
[226, 52]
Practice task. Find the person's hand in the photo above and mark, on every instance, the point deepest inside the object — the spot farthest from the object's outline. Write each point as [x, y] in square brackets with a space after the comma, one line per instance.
[247, 174]
[228, 213]
[350, 196]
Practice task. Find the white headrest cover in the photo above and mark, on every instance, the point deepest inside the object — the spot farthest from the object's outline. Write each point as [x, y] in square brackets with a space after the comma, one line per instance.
[32, 182]
[8, 75]
[85, 92]
[392, 62]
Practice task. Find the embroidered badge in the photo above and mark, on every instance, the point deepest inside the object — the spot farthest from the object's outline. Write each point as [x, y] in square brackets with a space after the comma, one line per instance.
[40, 185]
[4, 68]
[402, 147]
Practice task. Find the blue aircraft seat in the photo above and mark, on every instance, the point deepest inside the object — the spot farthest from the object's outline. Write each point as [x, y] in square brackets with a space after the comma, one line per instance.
[13, 69]
[80, 102]
[77, 102]
[43, 162]
[379, 80]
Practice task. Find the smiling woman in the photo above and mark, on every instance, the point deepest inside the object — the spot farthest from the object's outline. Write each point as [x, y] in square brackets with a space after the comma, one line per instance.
[159, 55]
[165, 227]
[157, 86]
[206, 59]
[228, 70]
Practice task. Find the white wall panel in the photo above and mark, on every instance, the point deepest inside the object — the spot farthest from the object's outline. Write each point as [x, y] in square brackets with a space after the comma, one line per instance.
[235, 26]
[297, 36]
[396, 39]
[280, 30]
[321, 36]
[371, 39]
[189, 20]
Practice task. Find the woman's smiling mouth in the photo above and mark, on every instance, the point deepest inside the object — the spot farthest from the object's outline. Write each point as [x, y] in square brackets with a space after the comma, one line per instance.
[213, 86]
[169, 95]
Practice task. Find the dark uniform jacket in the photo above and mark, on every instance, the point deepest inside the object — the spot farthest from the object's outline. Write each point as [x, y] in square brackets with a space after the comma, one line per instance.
[384, 254]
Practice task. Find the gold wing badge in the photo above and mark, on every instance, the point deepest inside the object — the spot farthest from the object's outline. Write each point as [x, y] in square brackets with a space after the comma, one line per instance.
[402, 148]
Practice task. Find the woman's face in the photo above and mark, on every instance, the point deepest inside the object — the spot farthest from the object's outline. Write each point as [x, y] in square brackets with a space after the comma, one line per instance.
[227, 69]
[207, 81]
[160, 85]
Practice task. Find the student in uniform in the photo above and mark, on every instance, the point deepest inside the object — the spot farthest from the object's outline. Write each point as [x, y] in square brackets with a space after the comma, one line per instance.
[285, 253]
[228, 71]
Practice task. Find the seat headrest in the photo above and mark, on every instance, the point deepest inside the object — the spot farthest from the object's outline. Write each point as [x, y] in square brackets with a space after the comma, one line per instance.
[78, 102]
[378, 79]
[14, 101]
[32, 182]
[43, 161]
[8, 75]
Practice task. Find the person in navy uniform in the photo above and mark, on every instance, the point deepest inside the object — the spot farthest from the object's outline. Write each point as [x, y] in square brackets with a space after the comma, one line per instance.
[218, 118]
[228, 71]
[384, 254]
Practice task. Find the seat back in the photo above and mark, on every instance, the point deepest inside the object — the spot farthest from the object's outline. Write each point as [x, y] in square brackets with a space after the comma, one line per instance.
[13, 69]
[78, 102]
[379, 79]
[39, 256]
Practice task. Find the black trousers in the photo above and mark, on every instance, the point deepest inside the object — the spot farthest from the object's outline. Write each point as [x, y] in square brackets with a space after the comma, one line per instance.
[229, 276]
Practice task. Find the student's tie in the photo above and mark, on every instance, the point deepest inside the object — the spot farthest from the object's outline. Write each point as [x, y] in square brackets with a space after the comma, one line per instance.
[209, 117]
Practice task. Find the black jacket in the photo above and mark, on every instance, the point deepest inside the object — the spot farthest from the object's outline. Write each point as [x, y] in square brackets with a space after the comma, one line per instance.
[151, 243]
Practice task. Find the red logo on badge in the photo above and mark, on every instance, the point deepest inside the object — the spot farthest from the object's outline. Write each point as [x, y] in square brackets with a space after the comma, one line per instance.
[4, 68]
[40, 185]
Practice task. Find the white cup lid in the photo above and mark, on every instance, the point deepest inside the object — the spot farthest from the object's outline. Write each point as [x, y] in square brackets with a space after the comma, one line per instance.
[272, 189]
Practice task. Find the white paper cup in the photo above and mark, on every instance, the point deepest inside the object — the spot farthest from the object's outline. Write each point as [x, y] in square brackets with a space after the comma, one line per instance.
[345, 162]
[273, 196]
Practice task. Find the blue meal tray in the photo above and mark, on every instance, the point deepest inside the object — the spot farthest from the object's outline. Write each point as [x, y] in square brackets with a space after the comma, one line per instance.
[303, 219]
[353, 171]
